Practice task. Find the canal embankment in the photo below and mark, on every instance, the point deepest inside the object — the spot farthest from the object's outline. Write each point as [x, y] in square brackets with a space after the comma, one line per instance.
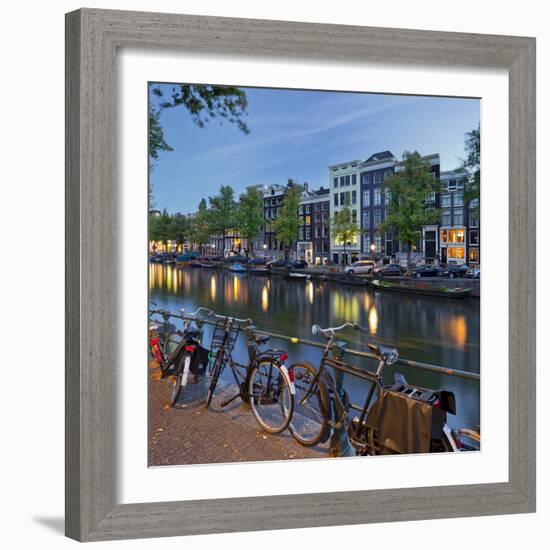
[333, 274]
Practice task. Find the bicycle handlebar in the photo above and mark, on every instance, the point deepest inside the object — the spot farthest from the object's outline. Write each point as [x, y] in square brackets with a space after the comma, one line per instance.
[247, 320]
[316, 329]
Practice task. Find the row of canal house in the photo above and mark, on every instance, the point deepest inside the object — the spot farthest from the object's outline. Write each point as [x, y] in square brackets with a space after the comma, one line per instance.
[360, 184]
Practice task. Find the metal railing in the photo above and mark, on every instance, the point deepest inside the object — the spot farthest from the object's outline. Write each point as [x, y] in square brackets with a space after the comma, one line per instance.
[363, 354]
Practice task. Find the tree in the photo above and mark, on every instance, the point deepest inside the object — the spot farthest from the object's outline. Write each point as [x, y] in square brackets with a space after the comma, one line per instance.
[160, 228]
[249, 215]
[179, 228]
[287, 223]
[203, 103]
[408, 192]
[221, 216]
[343, 228]
[199, 226]
[472, 164]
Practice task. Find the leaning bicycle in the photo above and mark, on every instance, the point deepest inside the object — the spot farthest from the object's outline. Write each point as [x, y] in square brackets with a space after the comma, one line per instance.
[264, 383]
[187, 354]
[388, 412]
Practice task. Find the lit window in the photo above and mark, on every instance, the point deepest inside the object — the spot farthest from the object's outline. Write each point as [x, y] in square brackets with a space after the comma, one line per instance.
[474, 255]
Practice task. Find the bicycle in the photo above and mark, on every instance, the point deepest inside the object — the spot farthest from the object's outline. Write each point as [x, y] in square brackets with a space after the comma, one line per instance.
[266, 384]
[320, 407]
[178, 363]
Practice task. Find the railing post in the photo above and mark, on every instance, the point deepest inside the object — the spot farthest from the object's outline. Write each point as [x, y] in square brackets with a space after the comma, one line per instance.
[339, 441]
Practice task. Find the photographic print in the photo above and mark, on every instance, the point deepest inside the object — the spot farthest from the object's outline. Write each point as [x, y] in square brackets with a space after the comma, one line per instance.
[314, 274]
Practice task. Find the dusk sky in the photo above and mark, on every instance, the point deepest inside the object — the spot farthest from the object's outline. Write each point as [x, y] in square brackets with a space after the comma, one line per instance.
[298, 134]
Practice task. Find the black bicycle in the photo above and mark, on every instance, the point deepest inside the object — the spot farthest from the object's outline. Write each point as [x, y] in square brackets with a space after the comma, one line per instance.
[382, 427]
[187, 352]
[264, 382]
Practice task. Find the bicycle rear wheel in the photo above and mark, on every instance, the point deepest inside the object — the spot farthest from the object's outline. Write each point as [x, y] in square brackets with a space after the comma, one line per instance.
[309, 423]
[176, 389]
[215, 374]
[270, 397]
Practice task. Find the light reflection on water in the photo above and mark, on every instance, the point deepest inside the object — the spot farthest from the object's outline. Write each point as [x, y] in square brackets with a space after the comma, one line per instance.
[431, 330]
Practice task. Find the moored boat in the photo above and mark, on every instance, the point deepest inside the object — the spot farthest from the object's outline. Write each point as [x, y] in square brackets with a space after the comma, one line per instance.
[237, 268]
[424, 289]
[259, 270]
[292, 276]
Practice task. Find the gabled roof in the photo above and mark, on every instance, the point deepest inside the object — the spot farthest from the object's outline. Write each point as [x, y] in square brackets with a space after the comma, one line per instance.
[382, 155]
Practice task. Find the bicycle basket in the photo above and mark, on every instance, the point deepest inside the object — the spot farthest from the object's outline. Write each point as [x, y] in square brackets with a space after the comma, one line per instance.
[219, 335]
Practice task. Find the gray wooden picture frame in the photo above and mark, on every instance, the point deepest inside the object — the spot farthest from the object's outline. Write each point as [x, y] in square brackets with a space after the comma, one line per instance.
[92, 39]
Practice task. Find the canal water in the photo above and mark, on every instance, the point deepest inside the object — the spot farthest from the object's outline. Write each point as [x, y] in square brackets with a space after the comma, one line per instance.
[432, 330]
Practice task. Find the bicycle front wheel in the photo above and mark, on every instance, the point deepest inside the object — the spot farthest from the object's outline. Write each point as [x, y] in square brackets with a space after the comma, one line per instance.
[309, 424]
[270, 397]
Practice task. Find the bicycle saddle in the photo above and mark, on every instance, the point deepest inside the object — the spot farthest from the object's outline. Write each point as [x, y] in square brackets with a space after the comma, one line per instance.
[260, 338]
[389, 355]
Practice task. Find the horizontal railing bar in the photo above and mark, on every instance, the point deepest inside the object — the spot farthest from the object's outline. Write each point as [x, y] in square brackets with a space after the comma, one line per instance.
[363, 354]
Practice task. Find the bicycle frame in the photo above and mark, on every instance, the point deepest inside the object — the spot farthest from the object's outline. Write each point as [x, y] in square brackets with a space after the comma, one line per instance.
[374, 378]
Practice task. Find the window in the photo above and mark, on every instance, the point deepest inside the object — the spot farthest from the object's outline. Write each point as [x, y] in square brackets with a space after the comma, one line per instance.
[348, 181]
[474, 237]
[273, 202]
[378, 242]
[474, 255]
[335, 182]
[388, 174]
[367, 179]
[342, 181]
[342, 199]
[354, 216]
[446, 200]
[325, 231]
[452, 185]
[455, 235]
[430, 199]
[335, 199]
[474, 203]
[317, 231]
[301, 209]
[354, 197]
[443, 236]
[459, 217]
[377, 217]
[456, 252]
[474, 220]
[308, 208]
[366, 219]
[366, 197]
[325, 205]
[308, 220]
[366, 242]
[301, 233]
[354, 179]
[308, 233]
[377, 177]
[377, 197]
[446, 217]
[387, 196]
[458, 199]
[318, 207]
[317, 217]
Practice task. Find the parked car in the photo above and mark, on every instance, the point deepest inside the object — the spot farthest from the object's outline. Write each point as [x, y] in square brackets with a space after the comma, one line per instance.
[425, 271]
[360, 266]
[389, 270]
[297, 264]
[473, 273]
[454, 271]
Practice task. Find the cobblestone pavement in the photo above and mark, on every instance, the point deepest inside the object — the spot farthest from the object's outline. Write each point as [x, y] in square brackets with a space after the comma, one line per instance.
[191, 434]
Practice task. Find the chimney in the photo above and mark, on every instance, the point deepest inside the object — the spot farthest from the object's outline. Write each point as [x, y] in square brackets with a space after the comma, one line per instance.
[305, 186]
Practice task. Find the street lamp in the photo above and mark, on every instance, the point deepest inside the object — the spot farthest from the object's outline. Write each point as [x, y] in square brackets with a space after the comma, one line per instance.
[265, 248]
[372, 249]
